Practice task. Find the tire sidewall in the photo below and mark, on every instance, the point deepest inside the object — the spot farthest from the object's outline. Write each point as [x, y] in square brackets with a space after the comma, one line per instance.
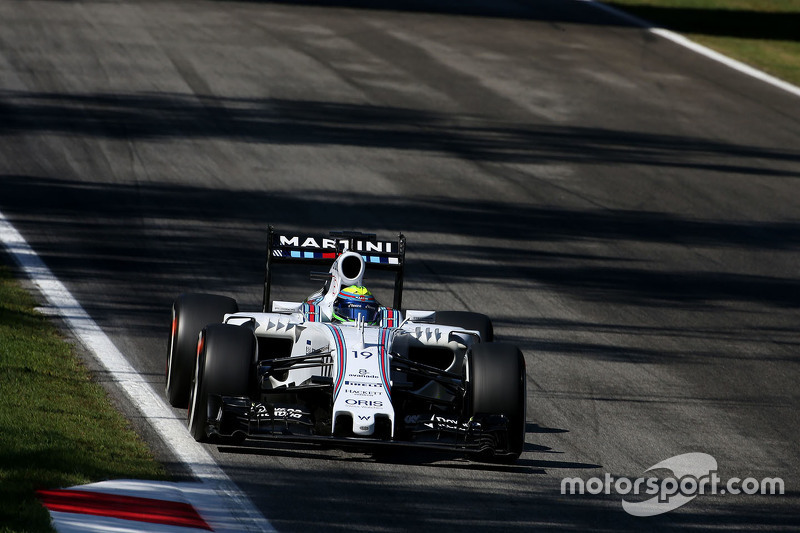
[496, 384]
[225, 363]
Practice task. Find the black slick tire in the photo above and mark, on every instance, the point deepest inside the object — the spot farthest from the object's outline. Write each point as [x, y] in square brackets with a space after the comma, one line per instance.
[496, 385]
[225, 360]
[190, 314]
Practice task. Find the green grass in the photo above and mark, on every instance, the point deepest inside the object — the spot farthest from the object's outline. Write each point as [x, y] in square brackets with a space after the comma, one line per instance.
[57, 427]
[762, 33]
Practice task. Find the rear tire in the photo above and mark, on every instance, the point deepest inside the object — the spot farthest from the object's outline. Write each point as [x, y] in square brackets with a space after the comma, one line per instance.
[224, 364]
[496, 385]
[467, 320]
[190, 314]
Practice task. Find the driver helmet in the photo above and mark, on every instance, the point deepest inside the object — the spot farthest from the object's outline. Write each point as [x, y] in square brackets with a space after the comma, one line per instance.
[356, 302]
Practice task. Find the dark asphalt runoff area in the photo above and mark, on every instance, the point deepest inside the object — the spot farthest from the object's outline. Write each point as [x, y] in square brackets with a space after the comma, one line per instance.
[627, 211]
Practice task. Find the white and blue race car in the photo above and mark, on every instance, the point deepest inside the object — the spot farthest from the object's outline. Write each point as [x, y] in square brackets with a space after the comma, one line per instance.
[339, 367]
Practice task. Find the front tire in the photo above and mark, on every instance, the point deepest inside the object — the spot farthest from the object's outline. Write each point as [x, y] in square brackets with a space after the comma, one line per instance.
[190, 314]
[225, 360]
[496, 378]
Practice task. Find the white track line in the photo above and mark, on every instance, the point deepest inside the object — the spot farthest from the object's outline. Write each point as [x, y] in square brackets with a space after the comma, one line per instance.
[698, 48]
[140, 393]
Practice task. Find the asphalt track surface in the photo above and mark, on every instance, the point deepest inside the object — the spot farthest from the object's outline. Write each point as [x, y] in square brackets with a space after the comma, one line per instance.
[626, 210]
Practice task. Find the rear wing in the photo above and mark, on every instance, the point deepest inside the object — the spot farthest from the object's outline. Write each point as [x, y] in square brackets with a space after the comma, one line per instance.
[304, 249]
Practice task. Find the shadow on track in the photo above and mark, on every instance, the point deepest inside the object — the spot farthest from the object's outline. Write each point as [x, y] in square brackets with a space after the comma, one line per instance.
[541, 10]
[403, 455]
[100, 217]
[102, 241]
[729, 22]
[287, 122]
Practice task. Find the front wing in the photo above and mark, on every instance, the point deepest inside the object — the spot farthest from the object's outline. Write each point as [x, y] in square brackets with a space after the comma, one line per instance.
[241, 417]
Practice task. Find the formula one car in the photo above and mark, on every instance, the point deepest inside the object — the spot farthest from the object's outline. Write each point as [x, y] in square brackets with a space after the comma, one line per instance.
[341, 368]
